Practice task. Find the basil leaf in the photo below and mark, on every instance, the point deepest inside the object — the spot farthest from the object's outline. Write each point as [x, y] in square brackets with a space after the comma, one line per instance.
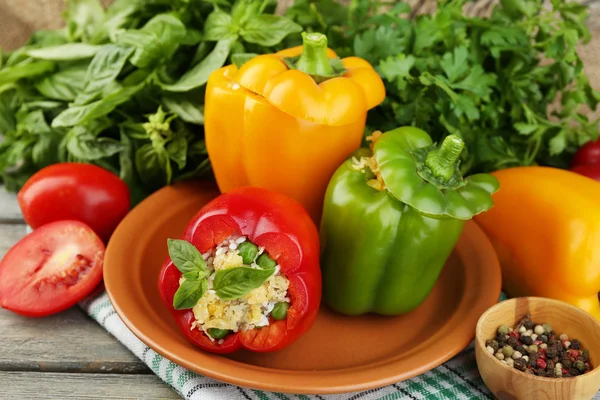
[102, 71]
[185, 109]
[63, 85]
[157, 40]
[32, 121]
[84, 19]
[218, 26]
[177, 150]
[82, 113]
[65, 52]
[198, 75]
[192, 37]
[189, 293]
[195, 275]
[240, 59]
[134, 130]
[8, 121]
[125, 162]
[87, 147]
[45, 150]
[185, 256]
[149, 166]
[268, 30]
[25, 70]
[233, 283]
[191, 276]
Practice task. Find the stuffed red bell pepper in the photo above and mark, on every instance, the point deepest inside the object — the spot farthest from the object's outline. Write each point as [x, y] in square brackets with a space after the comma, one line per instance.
[245, 274]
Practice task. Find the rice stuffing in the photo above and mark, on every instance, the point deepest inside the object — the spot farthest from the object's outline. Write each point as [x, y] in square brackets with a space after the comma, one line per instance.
[246, 313]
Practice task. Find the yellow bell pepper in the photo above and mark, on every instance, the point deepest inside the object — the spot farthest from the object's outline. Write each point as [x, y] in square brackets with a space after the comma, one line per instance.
[545, 227]
[286, 121]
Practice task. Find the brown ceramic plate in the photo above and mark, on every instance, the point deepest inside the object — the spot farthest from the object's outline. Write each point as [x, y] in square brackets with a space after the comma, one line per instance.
[339, 354]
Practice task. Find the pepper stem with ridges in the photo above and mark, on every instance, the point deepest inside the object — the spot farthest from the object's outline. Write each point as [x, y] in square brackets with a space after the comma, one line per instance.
[442, 162]
[314, 60]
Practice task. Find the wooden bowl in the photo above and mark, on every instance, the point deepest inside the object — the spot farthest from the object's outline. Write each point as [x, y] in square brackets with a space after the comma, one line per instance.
[508, 383]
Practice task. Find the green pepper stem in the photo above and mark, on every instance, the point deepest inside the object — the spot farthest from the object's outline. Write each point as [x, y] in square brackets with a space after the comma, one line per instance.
[314, 60]
[442, 162]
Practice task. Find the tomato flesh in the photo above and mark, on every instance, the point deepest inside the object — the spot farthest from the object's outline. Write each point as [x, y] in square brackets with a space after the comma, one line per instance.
[51, 269]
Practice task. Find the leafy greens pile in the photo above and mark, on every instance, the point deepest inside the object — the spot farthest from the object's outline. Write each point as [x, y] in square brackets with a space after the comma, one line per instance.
[123, 88]
[490, 80]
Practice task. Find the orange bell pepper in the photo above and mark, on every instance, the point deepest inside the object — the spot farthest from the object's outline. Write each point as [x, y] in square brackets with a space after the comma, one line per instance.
[545, 227]
[286, 121]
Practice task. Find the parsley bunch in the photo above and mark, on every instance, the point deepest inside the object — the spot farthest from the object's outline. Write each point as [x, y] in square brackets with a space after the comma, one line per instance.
[511, 85]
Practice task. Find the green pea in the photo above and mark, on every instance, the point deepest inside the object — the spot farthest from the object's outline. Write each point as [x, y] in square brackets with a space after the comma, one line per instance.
[217, 333]
[280, 311]
[248, 251]
[265, 261]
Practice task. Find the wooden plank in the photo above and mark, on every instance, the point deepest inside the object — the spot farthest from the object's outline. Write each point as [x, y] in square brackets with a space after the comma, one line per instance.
[9, 207]
[40, 385]
[70, 341]
[9, 235]
[67, 342]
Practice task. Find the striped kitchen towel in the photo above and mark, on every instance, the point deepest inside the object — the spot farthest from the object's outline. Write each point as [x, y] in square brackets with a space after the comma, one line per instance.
[456, 379]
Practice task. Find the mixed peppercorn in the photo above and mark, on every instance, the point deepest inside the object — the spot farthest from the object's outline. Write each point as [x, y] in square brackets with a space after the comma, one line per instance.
[536, 349]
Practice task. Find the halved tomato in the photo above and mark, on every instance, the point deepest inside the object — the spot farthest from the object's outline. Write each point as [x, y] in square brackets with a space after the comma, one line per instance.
[51, 269]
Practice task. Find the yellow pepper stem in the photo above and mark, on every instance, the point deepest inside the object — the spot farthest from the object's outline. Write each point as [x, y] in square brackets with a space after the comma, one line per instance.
[442, 162]
[314, 60]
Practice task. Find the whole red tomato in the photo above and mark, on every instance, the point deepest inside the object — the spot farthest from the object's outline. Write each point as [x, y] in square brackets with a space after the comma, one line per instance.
[75, 191]
[588, 154]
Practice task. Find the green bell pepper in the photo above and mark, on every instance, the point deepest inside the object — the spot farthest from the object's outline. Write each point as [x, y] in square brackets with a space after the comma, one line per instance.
[392, 216]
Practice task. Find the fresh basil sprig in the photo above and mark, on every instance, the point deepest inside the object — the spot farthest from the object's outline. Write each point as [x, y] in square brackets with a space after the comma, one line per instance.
[123, 69]
[191, 264]
[233, 283]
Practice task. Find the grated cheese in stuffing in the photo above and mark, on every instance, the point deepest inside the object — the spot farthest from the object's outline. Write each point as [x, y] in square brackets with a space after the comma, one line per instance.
[248, 312]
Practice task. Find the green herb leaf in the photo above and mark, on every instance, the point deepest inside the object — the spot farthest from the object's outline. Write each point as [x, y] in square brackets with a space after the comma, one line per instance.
[240, 59]
[218, 26]
[177, 150]
[24, 70]
[525, 129]
[8, 100]
[79, 114]
[380, 43]
[268, 30]
[189, 293]
[233, 283]
[185, 109]
[88, 147]
[150, 166]
[84, 19]
[32, 121]
[198, 75]
[102, 71]
[45, 150]
[558, 143]
[125, 161]
[185, 256]
[455, 64]
[63, 85]
[156, 41]
[65, 52]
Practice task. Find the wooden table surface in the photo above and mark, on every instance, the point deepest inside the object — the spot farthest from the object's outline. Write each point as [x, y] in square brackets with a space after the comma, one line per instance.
[68, 355]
